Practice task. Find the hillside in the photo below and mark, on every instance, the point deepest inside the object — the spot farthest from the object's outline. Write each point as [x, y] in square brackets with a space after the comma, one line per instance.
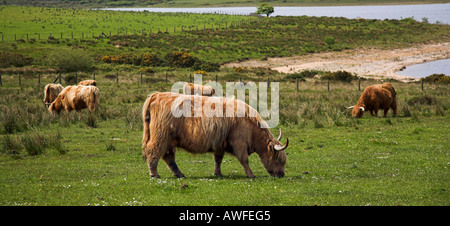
[204, 3]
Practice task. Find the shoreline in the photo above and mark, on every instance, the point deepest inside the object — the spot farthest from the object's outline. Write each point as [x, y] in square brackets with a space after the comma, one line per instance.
[364, 62]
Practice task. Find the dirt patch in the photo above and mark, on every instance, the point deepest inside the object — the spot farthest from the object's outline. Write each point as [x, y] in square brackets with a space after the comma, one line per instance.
[364, 62]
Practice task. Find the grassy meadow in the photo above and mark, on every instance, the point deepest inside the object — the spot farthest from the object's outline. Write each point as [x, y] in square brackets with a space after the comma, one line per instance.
[333, 159]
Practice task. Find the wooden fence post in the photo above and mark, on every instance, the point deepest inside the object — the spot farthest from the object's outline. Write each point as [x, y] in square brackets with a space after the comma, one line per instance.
[328, 85]
[60, 78]
[141, 78]
[20, 81]
[1, 84]
[359, 84]
[422, 84]
[166, 77]
[117, 77]
[297, 83]
[94, 76]
[39, 79]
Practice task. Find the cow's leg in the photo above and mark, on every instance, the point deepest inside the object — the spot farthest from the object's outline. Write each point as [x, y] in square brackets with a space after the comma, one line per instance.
[244, 162]
[218, 159]
[385, 112]
[242, 156]
[153, 154]
[394, 107]
[169, 159]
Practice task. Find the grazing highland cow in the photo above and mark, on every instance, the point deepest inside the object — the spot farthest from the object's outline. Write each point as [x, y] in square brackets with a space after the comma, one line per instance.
[376, 97]
[76, 98]
[201, 90]
[88, 83]
[51, 91]
[239, 136]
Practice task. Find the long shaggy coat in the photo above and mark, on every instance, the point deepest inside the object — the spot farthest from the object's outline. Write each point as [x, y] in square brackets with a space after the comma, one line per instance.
[76, 98]
[51, 91]
[375, 97]
[88, 83]
[239, 136]
[195, 89]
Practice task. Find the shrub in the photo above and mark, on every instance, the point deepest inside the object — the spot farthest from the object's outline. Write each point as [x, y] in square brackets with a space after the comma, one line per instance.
[11, 145]
[34, 144]
[206, 66]
[422, 100]
[180, 59]
[439, 78]
[203, 73]
[294, 76]
[148, 59]
[342, 76]
[8, 59]
[70, 60]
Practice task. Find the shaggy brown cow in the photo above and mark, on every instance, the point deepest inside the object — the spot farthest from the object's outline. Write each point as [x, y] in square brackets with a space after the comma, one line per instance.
[76, 98]
[239, 136]
[51, 91]
[88, 83]
[381, 96]
[201, 90]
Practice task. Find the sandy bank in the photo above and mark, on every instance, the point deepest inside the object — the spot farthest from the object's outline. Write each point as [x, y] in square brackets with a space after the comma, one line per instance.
[365, 62]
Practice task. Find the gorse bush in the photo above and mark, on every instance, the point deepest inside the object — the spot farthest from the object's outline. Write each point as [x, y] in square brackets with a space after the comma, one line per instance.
[73, 60]
[438, 78]
[342, 76]
[180, 59]
[8, 59]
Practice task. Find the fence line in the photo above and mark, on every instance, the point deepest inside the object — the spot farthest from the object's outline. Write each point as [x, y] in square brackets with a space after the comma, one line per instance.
[139, 78]
[37, 36]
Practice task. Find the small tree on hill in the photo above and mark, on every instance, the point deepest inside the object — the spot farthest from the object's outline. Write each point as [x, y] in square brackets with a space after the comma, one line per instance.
[265, 9]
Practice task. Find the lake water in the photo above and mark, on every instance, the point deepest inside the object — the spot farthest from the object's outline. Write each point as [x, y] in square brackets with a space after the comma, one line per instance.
[434, 12]
[425, 69]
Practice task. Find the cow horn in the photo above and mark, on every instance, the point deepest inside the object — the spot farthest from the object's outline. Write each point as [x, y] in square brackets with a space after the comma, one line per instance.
[361, 108]
[279, 136]
[281, 148]
[350, 107]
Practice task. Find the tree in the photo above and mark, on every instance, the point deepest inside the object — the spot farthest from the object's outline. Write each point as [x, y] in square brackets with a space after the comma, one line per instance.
[265, 9]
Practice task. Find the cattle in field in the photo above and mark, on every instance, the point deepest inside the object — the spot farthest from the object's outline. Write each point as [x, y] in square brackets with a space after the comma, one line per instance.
[238, 136]
[375, 97]
[88, 83]
[51, 91]
[76, 98]
[195, 89]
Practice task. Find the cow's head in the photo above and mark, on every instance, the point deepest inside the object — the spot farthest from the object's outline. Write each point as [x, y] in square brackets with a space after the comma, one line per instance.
[357, 111]
[275, 159]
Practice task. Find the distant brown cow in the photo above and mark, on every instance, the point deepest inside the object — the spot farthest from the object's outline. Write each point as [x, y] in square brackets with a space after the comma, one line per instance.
[88, 83]
[76, 98]
[51, 91]
[239, 136]
[381, 96]
[201, 90]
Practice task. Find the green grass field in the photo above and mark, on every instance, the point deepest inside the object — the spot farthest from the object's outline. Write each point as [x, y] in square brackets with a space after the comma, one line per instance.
[333, 159]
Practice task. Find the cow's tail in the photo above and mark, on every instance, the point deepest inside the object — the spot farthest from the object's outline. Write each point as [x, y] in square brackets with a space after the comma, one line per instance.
[146, 121]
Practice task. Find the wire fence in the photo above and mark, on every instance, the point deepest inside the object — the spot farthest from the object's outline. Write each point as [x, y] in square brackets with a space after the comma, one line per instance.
[40, 80]
[50, 36]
